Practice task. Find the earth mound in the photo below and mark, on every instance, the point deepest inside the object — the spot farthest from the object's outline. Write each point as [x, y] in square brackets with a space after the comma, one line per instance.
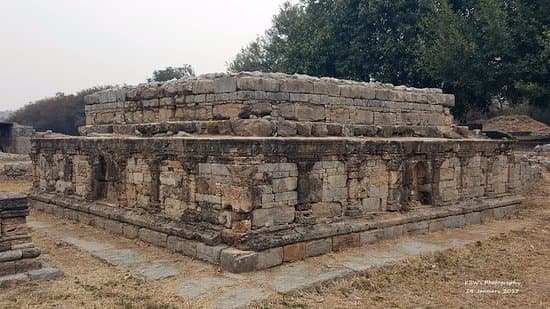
[515, 123]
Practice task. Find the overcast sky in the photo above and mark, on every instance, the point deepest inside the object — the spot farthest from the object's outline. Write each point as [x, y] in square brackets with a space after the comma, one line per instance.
[49, 46]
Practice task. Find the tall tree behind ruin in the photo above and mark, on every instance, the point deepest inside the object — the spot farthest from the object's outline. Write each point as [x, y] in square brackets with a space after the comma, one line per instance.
[477, 50]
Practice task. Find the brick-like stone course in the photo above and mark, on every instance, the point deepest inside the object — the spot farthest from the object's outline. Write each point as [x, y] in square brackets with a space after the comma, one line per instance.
[270, 105]
[17, 252]
[18, 256]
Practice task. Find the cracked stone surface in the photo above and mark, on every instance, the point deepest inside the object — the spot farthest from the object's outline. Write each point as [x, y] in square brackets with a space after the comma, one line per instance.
[157, 271]
[238, 298]
[89, 246]
[194, 288]
[124, 258]
[292, 277]
[45, 273]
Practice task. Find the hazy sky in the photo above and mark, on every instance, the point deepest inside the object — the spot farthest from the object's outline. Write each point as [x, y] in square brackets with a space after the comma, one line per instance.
[49, 46]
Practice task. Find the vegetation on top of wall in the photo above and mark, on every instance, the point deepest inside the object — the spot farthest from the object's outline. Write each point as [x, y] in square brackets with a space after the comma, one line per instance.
[169, 73]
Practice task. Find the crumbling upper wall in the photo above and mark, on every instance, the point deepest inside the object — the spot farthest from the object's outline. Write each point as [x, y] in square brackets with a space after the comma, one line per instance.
[270, 104]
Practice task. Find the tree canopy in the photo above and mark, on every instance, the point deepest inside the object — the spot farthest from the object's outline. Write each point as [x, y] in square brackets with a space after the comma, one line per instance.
[61, 114]
[65, 113]
[479, 50]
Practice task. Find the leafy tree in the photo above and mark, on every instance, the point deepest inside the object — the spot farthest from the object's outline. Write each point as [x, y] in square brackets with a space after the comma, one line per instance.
[62, 113]
[530, 31]
[253, 57]
[347, 39]
[468, 51]
[171, 73]
[477, 50]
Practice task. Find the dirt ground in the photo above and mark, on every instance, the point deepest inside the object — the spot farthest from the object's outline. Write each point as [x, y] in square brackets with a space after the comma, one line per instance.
[448, 279]
[442, 280]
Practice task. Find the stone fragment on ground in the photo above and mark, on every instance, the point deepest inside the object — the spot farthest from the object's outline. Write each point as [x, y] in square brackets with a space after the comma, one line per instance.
[240, 297]
[155, 271]
[45, 273]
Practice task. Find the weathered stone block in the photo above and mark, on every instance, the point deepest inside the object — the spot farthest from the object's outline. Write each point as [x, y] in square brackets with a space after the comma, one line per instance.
[309, 112]
[504, 212]
[339, 114]
[323, 87]
[227, 111]
[297, 85]
[255, 83]
[318, 247]
[203, 86]
[225, 84]
[362, 117]
[454, 221]
[392, 232]
[372, 236]
[239, 199]
[284, 184]
[326, 210]
[130, 231]
[269, 258]
[238, 261]
[286, 128]
[371, 204]
[153, 237]
[473, 218]
[113, 226]
[417, 228]
[487, 215]
[294, 252]
[252, 127]
[210, 253]
[182, 245]
[342, 242]
[436, 225]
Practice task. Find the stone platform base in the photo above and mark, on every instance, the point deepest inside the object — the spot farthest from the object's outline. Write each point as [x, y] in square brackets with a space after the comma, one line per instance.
[43, 273]
[278, 248]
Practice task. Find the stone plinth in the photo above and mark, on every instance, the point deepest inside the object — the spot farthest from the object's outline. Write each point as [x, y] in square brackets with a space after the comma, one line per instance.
[18, 257]
[17, 252]
[251, 203]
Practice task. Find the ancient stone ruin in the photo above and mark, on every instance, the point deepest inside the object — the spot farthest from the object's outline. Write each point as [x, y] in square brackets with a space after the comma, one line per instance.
[252, 170]
[15, 138]
[18, 257]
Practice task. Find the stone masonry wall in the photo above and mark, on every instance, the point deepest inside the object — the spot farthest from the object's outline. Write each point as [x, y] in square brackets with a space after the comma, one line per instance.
[240, 186]
[261, 104]
[17, 252]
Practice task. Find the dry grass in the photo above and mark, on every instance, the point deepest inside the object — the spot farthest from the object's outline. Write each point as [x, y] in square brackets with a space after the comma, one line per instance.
[88, 283]
[438, 280]
[432, 281]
